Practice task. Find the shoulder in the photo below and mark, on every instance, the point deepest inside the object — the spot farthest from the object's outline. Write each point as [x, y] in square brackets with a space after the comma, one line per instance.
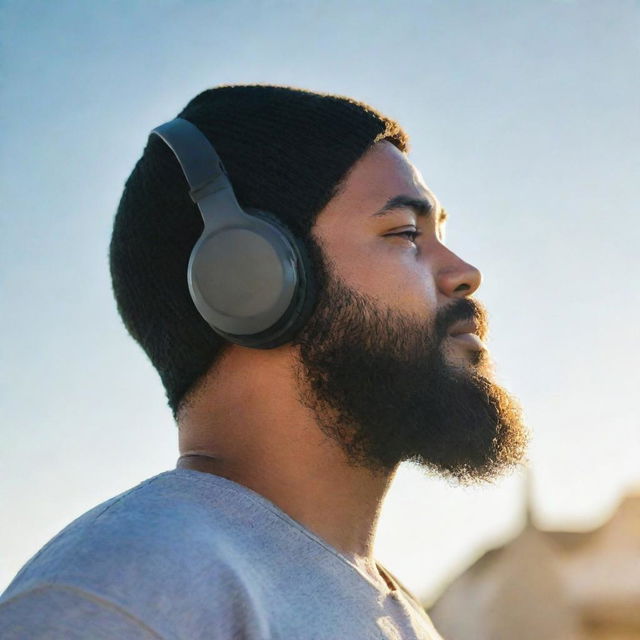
[172, 522]
[170, 549]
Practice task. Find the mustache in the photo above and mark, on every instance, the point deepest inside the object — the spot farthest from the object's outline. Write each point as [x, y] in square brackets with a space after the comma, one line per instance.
[462, 310]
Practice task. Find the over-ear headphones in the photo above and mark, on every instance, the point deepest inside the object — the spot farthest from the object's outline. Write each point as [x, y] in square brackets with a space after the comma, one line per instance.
[248, 275]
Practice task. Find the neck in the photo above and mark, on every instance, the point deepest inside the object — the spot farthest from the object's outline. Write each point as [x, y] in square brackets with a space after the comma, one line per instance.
[248, 425]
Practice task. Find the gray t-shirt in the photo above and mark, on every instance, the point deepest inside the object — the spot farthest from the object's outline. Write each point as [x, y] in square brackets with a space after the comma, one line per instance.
[189, 555]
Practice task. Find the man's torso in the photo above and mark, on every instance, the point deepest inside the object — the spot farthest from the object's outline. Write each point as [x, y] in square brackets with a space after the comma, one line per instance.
[190, 555]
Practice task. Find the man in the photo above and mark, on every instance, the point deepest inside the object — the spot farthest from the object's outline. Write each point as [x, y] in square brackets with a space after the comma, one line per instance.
[266, 528]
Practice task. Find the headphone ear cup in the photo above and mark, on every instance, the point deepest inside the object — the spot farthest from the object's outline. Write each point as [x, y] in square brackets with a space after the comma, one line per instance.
[242, 278]
[252, 283]
[304, 299]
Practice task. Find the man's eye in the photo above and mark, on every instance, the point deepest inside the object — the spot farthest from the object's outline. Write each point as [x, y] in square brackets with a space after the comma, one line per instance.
[410, 234]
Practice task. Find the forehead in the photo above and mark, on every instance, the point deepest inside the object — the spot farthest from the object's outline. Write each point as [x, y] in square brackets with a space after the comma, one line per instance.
[383, 172]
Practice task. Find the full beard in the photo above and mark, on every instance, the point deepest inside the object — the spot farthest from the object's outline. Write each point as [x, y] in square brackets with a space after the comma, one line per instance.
[380, 385]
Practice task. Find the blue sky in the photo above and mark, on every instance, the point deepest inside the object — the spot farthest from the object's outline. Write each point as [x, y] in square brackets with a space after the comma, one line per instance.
[523, 119]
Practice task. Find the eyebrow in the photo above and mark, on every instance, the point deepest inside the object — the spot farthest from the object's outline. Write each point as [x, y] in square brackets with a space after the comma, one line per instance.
[421, 206]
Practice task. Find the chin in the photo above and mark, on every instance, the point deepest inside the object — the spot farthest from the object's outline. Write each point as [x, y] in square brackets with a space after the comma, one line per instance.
[476, 362]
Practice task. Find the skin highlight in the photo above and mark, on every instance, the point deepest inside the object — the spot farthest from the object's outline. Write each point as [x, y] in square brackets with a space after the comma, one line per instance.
[246, 420]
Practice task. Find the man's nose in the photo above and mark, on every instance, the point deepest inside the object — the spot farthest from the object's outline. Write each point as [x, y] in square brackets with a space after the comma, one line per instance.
[455, 277]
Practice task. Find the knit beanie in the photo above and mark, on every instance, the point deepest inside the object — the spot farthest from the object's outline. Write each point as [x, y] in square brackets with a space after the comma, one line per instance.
[285, 150]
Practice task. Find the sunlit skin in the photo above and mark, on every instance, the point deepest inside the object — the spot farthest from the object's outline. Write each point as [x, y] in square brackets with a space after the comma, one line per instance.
[246, 421]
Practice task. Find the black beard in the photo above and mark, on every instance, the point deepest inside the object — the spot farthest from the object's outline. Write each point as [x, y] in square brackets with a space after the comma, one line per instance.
[380, 386]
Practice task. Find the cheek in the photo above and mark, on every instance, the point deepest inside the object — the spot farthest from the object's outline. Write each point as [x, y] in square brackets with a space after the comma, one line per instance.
[395, 277]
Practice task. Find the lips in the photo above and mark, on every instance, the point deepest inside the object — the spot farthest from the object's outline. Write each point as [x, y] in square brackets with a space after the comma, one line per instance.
[470, 340]
[467, 334]
[461, 328]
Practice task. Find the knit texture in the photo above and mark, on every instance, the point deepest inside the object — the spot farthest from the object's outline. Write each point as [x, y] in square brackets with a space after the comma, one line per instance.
[285, 150]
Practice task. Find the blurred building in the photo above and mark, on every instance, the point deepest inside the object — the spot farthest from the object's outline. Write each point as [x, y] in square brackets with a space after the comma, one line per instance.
[551, 585]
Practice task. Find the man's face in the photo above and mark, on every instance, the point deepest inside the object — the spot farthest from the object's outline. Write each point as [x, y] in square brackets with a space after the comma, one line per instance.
[392, 361]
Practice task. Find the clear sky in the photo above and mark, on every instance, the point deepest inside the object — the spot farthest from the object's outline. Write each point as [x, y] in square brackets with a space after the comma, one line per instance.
[523, 118]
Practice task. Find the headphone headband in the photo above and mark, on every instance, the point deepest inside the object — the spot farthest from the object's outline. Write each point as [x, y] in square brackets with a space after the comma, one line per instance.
[198, 159]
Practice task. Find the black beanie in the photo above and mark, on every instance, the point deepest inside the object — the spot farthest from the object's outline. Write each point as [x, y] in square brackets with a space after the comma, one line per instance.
[285, 150]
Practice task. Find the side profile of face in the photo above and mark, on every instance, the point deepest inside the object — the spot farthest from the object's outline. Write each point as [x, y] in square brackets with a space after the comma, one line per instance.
[393, 361]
